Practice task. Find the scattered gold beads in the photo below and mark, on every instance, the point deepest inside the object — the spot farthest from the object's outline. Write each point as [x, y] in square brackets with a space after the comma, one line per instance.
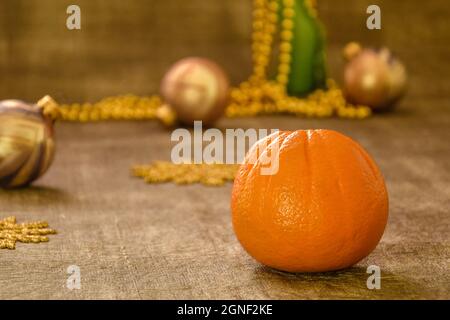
[32, 232]
[207, 174]
[258, 95]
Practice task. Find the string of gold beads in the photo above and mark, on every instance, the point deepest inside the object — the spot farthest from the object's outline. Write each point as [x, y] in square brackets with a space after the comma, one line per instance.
[320, 104]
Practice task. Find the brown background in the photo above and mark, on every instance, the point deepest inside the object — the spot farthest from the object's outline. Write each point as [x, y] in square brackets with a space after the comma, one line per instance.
[132, 240]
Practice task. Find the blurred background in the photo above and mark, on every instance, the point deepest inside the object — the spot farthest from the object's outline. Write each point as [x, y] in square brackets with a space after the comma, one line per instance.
[126, 46]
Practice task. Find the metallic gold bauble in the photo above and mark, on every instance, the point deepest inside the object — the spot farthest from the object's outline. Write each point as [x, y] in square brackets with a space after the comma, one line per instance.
[197, 89]
[373, 77]
[26, 143]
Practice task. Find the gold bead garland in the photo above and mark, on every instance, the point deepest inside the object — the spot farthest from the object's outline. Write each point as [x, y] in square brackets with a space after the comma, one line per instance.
[206, 174]
[31, 232]
[254, 97]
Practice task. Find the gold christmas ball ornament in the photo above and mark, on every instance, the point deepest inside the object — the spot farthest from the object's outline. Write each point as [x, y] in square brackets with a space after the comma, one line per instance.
[373, 77]
[196, 89]
[26, 141]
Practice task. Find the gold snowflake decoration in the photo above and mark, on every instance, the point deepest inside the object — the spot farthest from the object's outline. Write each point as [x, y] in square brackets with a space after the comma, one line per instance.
[31, 232]
[207, 174]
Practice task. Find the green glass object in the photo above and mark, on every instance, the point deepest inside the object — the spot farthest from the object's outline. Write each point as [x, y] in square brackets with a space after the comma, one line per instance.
[308, 66]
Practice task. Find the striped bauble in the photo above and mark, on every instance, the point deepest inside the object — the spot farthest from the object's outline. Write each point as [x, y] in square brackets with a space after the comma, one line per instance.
[26, 143]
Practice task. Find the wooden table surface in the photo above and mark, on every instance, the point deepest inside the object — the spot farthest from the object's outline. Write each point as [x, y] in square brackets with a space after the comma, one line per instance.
[137, 241]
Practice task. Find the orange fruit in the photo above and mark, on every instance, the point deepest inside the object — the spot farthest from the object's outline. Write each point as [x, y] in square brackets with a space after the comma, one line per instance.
[325, 209]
